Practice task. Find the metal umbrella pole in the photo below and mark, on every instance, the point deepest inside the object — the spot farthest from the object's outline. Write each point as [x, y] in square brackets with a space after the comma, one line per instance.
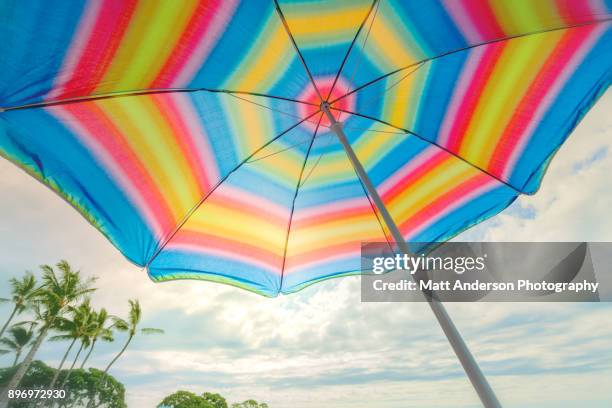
[479, 381]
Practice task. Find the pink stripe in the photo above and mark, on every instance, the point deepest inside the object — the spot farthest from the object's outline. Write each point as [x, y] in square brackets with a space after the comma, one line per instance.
[475, 19]
[415, 227]
[232, 254]
[251, 201]
[200, 36]
[296, 267]
[405, 171]
[461, 90]
[111, 166]
[77, 47]
[335, 206]
[462, 18]
[199, 138]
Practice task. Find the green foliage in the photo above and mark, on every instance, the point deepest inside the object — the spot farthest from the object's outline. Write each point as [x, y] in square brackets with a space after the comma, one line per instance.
[23, 291]
[18, 338]
[58, 293]
[216, 400]
[184, 399]
[250, 404]
[131, 324]
[61, 309]
[81, 386]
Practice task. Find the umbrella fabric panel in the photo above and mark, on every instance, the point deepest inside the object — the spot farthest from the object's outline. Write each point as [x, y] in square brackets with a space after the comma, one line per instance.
[323, 32]
[504, 107]
[238, 233]
[401, 33]
[81, 48]
[431, 194]
[57, 159]
[152, 157]
[332, 216]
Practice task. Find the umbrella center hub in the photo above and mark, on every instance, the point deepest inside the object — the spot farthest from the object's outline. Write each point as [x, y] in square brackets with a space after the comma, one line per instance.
[334, 99]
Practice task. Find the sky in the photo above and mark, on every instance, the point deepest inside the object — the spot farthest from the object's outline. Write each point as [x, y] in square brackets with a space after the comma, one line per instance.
[322, 346]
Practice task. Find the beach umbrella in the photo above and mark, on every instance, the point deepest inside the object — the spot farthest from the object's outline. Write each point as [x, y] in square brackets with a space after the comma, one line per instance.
[258, 143]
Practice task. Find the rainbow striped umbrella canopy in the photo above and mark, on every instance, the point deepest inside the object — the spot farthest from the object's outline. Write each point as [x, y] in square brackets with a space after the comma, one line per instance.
[191, 134]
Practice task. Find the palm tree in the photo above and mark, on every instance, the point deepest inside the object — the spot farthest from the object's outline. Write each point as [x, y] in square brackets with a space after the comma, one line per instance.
[19, 338]
[23, 292]
[101, 331]
[130, 326]
[55, 297]
[79, 326]
[88, 332]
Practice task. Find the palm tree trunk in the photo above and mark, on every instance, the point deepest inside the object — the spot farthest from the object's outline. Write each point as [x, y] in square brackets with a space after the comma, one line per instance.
[17, 354]
[68, 374]
[23, 367]
[8, 321]
[57, 372]
[125, 346]
[88, 354]
[72, 366]
[127, 343]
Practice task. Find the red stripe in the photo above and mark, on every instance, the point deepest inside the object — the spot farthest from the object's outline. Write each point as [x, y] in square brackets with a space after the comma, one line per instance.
[93, 118]
[414, 176]
[441, 203]
[479, 81]
[214, 243]
[331, 216]
[111, 24]
[323, 254]
[575, 12]
[172, 115]
[196, 29]
[483, 18]
[244, 207]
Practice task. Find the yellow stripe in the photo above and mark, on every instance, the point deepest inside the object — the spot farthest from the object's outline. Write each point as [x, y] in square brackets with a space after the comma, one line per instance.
[156, 149]
[315, 24]
[391, 44]
[215, 219]
[151, 36]
[306, 239]
[401, 102]
[283, 168]
[514, 72]
[523, 16]
[372, 148]
[252, 128]
[266, 60]
[438, 181]
[331, 168]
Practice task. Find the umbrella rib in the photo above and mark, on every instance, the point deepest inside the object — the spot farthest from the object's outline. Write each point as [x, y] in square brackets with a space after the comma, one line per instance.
[146, 92]
[164, 242]
[297, 189]
[297, 50]
[373, 207]
[511, 37]
[351, 48]
[265, 106]
[410, 132]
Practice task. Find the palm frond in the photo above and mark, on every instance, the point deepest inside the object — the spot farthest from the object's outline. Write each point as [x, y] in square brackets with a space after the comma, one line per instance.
[61, 337]
[150, 330]
[9, 343]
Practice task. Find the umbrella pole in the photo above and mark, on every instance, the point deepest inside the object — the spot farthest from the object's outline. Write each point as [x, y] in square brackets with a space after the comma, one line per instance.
[479, 381]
